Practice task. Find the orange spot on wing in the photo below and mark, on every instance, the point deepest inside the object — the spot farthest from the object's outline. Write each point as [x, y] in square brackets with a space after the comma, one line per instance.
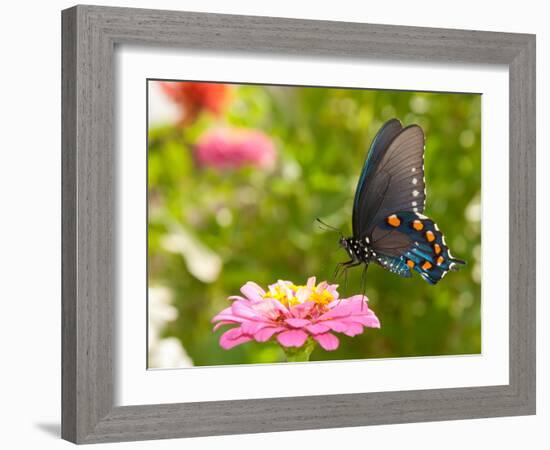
[427, 265]
[440, 260]
[410, 263]
[430, 236]
[437, 249]
[418, 225]
[393, 220]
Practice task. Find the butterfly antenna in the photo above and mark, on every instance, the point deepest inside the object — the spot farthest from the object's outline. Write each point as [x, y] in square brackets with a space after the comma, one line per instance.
[328, 227]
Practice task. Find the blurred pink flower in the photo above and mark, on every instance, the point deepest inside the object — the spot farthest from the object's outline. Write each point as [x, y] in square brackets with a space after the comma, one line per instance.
[229, 148]
[293, 313]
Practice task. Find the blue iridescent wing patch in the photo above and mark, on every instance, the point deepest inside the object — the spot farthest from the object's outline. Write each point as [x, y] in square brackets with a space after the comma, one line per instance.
[394, 264]
[416, 242]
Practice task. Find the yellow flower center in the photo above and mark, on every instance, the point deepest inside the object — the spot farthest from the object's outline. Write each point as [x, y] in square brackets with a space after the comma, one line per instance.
[322, 298]
[277, 293]
[287, 295]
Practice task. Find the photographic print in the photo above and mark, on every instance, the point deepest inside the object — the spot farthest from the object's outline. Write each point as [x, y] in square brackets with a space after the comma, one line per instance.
[295, 223]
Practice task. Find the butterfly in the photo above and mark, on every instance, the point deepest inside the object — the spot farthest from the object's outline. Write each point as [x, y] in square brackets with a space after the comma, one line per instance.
[389, 228]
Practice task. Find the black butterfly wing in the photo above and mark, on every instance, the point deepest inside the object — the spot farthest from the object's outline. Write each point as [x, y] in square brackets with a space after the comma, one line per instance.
[406, 241]
[378, 147]
[390, 241]
[392, 178]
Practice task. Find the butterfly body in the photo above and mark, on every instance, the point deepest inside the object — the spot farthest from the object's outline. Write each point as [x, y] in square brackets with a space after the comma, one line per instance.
[388, 225]
[358, 251]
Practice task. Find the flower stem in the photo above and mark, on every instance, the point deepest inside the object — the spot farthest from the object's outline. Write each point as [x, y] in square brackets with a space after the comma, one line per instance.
[300, 354]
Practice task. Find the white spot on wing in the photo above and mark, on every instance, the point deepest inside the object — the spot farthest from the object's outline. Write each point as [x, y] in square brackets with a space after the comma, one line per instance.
[415, 193]
[414, 180]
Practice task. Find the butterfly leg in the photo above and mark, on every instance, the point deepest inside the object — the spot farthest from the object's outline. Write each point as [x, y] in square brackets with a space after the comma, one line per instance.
[345, 280]
[364, 283]
[341, 267]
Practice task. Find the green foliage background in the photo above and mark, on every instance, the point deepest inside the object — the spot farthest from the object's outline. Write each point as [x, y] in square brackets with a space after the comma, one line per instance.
[261, 224]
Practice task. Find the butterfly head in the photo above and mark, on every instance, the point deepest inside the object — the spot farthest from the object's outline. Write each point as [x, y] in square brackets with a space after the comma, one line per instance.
[346, 245]
[344, 242]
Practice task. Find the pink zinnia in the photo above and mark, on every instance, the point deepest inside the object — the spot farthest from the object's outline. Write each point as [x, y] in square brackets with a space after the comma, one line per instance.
[229, 148]
[293, 313]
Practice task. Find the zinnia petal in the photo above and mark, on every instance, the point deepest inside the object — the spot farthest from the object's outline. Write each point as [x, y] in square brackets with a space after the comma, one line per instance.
[297, 323]
[275, 306]
[225, 312]
[292, 338]
[327, 340]
[252, 291]
[265, 334]
[232, 338]
[358, 302]
[322, 286]
[223, 322]
[368, 320]
[339, 326]
[244, 310]
[303, 294]
[353, 329]
[302, 310]
[373, 322]
[341, 309]
[230, 318]
[332, 289]
[252, 327]
[317, 328]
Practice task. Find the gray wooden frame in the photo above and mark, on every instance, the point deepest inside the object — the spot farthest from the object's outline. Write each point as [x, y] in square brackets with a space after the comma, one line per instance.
[90, 34]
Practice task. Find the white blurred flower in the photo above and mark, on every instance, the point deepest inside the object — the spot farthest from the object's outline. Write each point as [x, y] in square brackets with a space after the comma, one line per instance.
[224, 217]
[160, 311]
[203, 263]
[291, 170]
[419, 104]
[161, 109]
[473, 210]
[167, 352]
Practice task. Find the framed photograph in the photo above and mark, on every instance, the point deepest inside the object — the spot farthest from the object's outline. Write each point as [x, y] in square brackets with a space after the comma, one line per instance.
[277, 224]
